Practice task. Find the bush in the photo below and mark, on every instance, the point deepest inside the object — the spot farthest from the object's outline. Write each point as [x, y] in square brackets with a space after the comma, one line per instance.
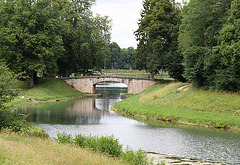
[131, 157]
[91, 142]
[109, 145]
[105, 144]
[79, 140]
[64, 138]
[13, 120]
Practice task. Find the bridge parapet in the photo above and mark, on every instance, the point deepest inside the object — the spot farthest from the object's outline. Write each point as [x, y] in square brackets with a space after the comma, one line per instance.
[87, 84]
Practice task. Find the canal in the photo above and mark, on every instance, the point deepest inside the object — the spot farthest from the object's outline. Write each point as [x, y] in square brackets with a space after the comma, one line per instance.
[92, 116]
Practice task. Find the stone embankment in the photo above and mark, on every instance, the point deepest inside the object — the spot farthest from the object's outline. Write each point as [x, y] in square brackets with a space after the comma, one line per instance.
[174, 160]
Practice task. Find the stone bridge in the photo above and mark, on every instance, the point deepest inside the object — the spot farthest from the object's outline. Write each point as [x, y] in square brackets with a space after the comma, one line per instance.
[87, 84]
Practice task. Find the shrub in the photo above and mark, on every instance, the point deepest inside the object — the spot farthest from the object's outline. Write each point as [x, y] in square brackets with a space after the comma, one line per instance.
[79, 140]
[105, 144]
[64, 138]
[13, 120]
[138, 158]
[110, 145]
[91, 142]
[9, 119]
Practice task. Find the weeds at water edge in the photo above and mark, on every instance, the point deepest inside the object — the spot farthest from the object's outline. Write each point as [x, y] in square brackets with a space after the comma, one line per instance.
[105, 144]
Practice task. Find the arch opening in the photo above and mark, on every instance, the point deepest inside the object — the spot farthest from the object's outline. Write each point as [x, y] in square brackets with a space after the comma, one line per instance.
[110, 85]
[111, 92]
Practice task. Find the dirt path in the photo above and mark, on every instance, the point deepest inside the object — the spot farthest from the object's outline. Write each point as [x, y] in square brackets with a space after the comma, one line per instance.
[185, 87]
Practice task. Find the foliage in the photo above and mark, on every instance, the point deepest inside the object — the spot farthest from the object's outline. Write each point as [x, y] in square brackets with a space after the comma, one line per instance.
[126, 59]
[110, 145]
[40, 38]
[6, 79]
[105, 144]
[157, 37]
[121, 58]
[196, 107]
[30, 37]
[13, 120]
[64, 138]
[115, 52]
[134, 158]
[9, 119]
[199, 35]
[85, 38]
[226, 55]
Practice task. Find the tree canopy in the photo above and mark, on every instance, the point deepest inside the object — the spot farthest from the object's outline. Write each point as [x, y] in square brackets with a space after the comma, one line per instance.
[30, 36]
[200, 36]
[40, 38]
[226, 56]
[86, 43]
[157, 35]
[120, 58]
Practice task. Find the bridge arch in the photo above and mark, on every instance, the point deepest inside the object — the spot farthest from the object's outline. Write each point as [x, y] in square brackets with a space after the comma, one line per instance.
[123, 86]
[86, 84]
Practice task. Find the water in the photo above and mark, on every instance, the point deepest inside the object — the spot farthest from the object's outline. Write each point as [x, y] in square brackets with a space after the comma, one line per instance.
[92, 116]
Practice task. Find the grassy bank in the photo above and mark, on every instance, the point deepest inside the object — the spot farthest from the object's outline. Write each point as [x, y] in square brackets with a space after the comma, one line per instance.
[193, 107]
[47, 89]
[18, 149]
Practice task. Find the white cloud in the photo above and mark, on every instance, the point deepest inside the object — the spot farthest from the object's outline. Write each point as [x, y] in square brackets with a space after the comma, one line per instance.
[124, 15]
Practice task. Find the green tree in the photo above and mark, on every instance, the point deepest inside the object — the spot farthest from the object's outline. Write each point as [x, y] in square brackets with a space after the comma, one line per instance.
[8, 118]
[126, 59]
[6, 79]
[30, 41]
[199, 33]
[226, 58]
[115, 52]
[157, 35]
[85, 39]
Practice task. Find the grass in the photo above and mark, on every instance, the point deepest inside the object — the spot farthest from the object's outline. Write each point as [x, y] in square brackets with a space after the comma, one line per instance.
[47, 89]
[18, 149]
[135, 73]
[194, 99]
[194, 107]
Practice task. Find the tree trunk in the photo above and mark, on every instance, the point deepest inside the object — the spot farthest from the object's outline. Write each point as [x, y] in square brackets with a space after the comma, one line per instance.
[31, 80]
[112, 65]
[152, 75]
[67, 73]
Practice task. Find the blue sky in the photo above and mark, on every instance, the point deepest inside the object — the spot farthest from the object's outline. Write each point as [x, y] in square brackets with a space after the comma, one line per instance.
[124, 15]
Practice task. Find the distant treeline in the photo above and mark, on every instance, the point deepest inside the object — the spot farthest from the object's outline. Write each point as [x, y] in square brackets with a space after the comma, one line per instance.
[120, 58]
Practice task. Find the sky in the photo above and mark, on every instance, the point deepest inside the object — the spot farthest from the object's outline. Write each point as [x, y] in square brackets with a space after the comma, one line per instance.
[124, 15]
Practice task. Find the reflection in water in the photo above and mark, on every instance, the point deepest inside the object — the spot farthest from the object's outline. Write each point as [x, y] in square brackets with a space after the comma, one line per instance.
[92, 116]
[109, 94]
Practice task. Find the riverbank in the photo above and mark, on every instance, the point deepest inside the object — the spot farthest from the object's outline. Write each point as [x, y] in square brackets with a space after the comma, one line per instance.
[46, 90]
[24, 149]
[189, 107]
[21, 149]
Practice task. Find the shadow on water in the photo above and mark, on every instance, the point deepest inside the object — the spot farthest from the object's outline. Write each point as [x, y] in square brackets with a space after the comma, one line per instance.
[92, 116]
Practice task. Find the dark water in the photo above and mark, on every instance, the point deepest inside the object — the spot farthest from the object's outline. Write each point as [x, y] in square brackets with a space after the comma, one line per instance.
[92, 116]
